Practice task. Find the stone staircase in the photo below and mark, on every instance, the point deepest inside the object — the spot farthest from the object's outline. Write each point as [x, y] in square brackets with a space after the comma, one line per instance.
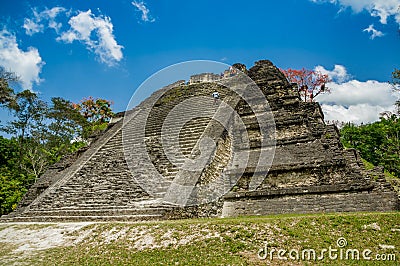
[174, 139]
[100, 185]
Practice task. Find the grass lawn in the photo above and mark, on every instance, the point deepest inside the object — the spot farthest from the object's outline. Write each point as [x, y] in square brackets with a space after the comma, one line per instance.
[232, 241]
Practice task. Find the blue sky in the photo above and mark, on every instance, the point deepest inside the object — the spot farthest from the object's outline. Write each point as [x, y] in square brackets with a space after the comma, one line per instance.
[103, 48]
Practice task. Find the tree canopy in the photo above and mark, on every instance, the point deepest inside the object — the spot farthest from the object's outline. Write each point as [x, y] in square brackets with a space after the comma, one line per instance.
[396, 86]
[41, 134]
[378, 143]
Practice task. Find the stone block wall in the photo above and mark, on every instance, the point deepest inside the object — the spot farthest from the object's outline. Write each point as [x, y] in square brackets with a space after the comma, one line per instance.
[294, 201]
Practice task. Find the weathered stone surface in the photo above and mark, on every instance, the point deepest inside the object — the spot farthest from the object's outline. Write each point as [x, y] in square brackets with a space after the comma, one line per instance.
[310, 171]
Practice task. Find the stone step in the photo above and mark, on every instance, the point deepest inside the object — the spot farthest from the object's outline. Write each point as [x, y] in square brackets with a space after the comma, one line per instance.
[187, 147]
[192, 111]
[178, 124]
[198, 129]
[88, 218]
[188, 143]
[195, 113]
[158, 128]
[189, 108]
[187, 136]
[105, 211]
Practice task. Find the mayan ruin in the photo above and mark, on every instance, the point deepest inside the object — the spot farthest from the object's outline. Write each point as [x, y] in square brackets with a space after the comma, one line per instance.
[310, 172]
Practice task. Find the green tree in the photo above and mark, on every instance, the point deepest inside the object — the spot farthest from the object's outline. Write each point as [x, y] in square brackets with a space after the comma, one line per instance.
[7, 96]
[396, 86]
[65, 130]
[378, 143]
[41, 135]
[29, 130]
[14, 181]
[396, 77]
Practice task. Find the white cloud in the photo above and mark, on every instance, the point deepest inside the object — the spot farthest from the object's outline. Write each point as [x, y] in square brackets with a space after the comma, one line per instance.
[141, 6]
[103, 44]
[377, 8]
[356, 92]
[26, 64]
[360, 113]
[31, 27]
[357, 101]
[38, 22]
[374, 33]
[383, 9]
[338, 74]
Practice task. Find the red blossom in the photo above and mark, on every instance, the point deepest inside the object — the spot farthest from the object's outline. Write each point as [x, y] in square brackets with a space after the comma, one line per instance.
[310, 83]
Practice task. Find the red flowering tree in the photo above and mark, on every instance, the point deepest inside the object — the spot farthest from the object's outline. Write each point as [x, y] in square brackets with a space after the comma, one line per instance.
[310, 83]
[97, 112]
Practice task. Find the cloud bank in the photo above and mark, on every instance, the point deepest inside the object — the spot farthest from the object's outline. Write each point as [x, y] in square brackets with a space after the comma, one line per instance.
[26, 64]
[356, 101]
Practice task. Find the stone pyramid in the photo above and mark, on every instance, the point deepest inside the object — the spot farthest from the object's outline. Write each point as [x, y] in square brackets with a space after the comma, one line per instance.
[249, 153]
